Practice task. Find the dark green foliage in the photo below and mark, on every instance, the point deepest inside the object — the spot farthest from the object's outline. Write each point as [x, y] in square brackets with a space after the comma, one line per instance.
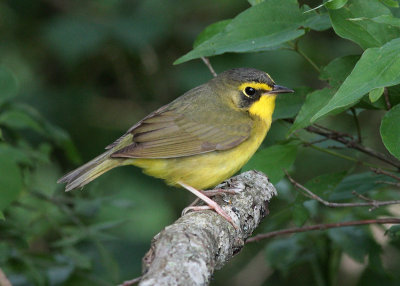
[74, 75]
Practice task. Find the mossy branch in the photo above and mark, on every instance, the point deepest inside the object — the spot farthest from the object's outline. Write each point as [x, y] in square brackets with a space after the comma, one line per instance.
[190, 250]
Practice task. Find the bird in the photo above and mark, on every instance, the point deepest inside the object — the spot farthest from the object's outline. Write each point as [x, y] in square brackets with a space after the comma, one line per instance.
[199, 139]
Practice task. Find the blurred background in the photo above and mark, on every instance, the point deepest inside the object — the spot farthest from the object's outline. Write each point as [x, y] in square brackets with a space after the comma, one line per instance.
[75, 76]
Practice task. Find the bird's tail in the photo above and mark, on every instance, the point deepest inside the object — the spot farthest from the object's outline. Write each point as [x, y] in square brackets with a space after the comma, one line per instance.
[90, 171]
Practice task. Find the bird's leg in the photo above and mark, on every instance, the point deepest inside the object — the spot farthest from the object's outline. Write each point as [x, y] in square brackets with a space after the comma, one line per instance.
[210, 203]
[211, 193]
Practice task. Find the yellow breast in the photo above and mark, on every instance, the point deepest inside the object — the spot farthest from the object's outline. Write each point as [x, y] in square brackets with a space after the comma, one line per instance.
[209, 169]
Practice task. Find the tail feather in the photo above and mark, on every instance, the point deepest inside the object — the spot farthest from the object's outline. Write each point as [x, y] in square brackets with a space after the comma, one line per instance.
[90, 171]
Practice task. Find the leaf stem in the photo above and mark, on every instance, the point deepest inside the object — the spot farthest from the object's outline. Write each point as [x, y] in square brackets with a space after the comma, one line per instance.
[304, 55]
[357, 123]
[206, 61]
[387, 100]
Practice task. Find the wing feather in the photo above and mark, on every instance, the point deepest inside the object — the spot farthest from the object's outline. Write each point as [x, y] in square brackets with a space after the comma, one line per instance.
[183, 129]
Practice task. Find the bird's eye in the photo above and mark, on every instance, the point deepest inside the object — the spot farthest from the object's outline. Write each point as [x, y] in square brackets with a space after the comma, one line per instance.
[249, 91]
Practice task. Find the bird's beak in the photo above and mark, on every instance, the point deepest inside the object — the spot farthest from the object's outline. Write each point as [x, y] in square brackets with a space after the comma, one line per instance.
[280, 89]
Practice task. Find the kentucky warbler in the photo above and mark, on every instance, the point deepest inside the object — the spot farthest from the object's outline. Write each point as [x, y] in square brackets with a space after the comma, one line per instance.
[198, 140]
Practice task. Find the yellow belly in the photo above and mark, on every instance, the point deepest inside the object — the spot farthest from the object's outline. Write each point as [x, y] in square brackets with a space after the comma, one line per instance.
[205, 170]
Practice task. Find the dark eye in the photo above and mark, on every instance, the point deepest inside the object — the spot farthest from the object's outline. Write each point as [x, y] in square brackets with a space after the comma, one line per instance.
[249, 91]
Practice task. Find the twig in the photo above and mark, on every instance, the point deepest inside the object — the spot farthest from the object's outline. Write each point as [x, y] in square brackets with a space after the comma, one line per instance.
[131, 282]
[336, 154]
[3, 279]
[357, 123]
[208, 64]
[330, 152]
[341, 137]
[322, 226]
[382, 172]
[372, 203]
[335, 132]
[339, 155]
[387, 100]
[362, 197]
[336, 147]
[389, 183]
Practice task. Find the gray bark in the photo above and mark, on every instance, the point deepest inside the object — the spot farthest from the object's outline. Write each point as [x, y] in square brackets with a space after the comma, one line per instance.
[188, 251]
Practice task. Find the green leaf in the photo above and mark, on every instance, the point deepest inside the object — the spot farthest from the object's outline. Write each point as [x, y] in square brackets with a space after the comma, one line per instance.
[338, 69]
[319, 22]
[361, 183]
[255, 2]
[265, 26]
[376, 93]
[355, 241]
[314, 102]
[324, 185]
[10, 181]
[335, 4]
[390, 131]
[366, 103]
[15, 154]
[273, 160]
[347, 23]
[284, 253]
[393, 231]
[300, 214]
[391, 3]
[8, 85]
[288, 105]
[2, 217]
[377, 67]
[79, 258]
[210, 32]
[19, 120]
[386, 19]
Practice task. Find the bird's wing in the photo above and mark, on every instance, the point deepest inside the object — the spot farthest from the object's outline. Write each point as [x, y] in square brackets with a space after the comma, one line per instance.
[181, 130]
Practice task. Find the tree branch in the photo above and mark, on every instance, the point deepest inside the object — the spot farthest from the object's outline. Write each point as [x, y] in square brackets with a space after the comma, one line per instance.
[382, 172]
[349, 141]
[369, 202]
[188, 251]
[321, 227]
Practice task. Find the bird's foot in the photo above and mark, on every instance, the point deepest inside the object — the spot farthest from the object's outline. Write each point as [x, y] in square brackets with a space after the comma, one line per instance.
[211, 205]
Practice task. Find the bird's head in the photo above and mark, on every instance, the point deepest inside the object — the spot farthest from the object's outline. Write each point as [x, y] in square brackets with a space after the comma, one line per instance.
[249, 90]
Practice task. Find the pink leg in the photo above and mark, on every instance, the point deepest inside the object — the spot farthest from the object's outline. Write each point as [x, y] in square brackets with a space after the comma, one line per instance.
[211, 204]
[209, 193]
